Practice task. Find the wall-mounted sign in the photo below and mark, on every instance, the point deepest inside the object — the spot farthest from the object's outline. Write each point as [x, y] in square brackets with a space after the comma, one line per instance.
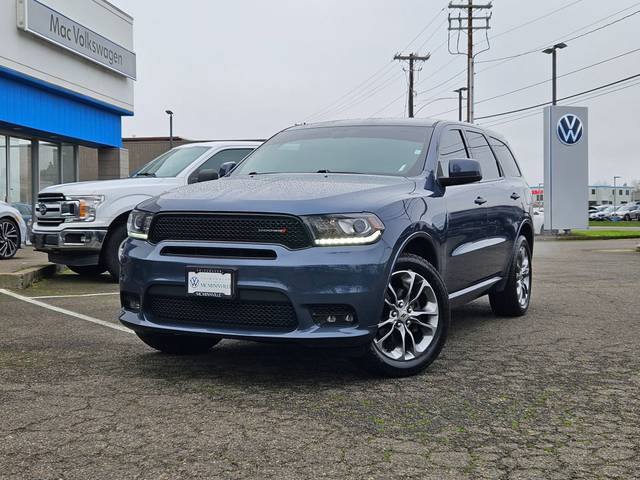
[54, 27]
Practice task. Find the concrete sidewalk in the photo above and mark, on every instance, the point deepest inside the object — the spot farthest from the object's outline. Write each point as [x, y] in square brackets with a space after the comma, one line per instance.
[27, 267]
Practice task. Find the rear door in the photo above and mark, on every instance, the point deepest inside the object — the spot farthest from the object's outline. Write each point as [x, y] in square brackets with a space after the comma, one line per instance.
[466, 218]
[495, 246]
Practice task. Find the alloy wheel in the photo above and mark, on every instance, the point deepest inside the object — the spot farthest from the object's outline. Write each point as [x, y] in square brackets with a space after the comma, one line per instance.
[523, 276]
[410, 317]
[8, 239]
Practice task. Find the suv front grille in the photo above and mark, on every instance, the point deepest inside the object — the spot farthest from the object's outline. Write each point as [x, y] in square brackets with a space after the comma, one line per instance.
[273, 229]
[215, 312]
[52, 217]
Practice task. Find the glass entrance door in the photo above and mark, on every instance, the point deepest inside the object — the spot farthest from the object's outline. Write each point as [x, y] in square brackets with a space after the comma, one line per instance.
[19, 171]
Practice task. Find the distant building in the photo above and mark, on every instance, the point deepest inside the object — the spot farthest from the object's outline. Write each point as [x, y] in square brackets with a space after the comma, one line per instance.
[598, 194]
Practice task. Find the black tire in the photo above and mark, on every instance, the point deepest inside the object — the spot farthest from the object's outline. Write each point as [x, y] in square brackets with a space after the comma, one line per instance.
[109, 257]
[178, 344]
[87, 270]
[627, 218]
[375, 361]
[507, 302]
[10, 240]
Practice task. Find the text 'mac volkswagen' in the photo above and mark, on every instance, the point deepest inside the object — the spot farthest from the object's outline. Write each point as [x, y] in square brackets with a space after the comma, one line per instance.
[344, 233]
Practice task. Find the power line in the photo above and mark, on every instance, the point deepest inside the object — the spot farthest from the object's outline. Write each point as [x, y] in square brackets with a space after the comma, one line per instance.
[526, 87]
[517, 110]
[539, 112]
[369, 81]
[535, 50]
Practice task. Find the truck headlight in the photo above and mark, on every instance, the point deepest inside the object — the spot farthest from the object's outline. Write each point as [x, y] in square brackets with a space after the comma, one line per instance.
[138, 224]
[85, 209]
[345, 229]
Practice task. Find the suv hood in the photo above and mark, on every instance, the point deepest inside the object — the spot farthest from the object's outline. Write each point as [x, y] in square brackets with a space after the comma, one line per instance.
[298, 194]
[117, 188]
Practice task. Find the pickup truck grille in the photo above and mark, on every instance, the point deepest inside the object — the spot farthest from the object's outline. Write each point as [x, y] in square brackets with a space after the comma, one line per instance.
[51, 216]
[250, 228]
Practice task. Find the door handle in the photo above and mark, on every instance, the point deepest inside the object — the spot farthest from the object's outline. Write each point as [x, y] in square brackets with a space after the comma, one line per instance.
[515, 196]
[480, 201]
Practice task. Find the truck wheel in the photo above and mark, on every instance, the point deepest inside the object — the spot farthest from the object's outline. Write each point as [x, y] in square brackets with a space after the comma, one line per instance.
[110, 250]
[514, 300]
[178, 344]
[87, 270]
[414, 323]
[9, 238]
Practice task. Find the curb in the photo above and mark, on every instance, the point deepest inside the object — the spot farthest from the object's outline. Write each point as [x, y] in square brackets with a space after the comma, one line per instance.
[25, 278]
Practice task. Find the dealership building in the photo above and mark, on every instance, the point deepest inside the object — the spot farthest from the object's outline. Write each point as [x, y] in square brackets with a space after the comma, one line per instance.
[67, 70]
[598, 194]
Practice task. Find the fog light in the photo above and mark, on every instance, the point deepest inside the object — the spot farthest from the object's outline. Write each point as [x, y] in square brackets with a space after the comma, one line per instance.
[130, 301]
[333, 315]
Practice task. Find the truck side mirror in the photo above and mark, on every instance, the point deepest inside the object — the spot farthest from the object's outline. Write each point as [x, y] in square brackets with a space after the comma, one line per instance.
[461, 172]
[207, 175]
[225, 168]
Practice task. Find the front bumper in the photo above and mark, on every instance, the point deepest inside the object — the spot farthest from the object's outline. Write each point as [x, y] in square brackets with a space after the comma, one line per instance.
[72, 246]
[355, 276]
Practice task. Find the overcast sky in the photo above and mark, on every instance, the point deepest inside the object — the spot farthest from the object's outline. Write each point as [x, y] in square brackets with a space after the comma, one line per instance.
[248, 68]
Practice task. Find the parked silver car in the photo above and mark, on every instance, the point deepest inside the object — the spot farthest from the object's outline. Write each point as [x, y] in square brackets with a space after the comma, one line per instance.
[13, 231]
[628, 212]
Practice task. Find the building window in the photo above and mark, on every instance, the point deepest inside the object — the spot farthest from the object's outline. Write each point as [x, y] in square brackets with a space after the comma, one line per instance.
[49, 164]
[626, 192]
[619, 192]
[19, 178]
[69, 163]
[593, 191]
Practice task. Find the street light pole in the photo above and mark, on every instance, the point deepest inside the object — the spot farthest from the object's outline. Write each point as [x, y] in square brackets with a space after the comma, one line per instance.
[170, 113]
[459, 92]
[615, 188]
[554, 75]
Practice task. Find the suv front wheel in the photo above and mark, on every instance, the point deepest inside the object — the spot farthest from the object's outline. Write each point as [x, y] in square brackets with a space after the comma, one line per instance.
[414, 323]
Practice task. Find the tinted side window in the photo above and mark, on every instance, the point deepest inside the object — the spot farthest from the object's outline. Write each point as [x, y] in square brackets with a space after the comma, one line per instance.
[506, 158]
[482, 153]
[451, 146]
[231, 155]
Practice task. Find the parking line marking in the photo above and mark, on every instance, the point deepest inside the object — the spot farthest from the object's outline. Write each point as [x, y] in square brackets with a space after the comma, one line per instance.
[64, 311]
[77, 295]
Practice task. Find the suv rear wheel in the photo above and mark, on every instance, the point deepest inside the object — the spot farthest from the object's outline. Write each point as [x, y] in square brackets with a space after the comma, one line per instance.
[178, 344]
[514, 300]
[414, 323]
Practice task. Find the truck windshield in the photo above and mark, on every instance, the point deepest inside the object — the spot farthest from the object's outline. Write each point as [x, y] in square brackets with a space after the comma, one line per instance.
[171, 163]
[383, 150]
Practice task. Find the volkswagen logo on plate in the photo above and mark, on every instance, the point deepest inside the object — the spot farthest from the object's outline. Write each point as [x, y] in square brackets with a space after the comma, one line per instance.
[569, 129]
[195, 281]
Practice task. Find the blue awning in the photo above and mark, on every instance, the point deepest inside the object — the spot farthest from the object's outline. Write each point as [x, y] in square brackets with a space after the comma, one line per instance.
[42, 108]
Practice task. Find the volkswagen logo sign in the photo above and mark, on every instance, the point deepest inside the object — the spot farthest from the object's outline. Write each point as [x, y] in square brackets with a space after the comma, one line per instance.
[195, 281]
[569, 129]
[42, 209]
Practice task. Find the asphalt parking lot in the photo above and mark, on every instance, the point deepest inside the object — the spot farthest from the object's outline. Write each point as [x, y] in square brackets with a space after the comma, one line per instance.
[555, 394]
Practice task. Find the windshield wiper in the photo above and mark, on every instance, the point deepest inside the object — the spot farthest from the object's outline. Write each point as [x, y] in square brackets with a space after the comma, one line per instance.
[145, 174]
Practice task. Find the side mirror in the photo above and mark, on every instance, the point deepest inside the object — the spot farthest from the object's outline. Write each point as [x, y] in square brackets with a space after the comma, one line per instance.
[225, 168]
[461, 172]
[207, 175]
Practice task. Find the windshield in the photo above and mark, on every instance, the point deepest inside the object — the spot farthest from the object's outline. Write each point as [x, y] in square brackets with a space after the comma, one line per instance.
[171, 163]
[382, 150]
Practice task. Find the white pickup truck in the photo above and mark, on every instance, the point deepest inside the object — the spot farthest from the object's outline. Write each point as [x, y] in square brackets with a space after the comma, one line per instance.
[82, 224]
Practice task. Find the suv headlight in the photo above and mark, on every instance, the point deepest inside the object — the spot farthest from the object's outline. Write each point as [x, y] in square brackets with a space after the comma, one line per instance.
[345, 229]
[138, 224]
[85, 210]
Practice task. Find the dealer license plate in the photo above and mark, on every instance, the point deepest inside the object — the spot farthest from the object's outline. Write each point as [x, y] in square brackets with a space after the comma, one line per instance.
[211, 282]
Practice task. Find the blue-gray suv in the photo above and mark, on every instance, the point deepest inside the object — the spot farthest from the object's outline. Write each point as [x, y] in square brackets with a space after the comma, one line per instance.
[356, 234]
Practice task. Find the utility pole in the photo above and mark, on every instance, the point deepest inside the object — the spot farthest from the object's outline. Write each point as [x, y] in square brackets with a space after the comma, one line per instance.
[456, 24]
[459, 92]
[554, 73]
[615, 188]
[412, 57]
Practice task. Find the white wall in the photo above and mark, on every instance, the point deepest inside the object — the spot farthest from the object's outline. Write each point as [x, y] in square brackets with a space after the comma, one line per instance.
[28, 54]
